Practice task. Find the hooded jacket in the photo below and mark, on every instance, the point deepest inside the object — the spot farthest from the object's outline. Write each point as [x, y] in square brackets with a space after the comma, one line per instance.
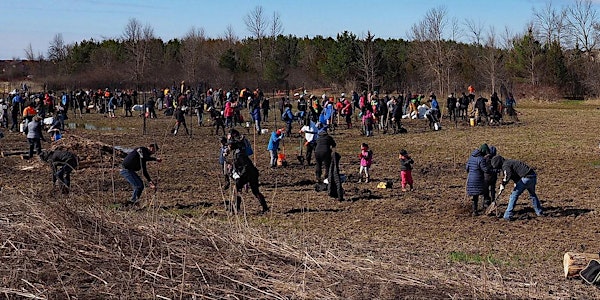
[512, 169]
[476, 167]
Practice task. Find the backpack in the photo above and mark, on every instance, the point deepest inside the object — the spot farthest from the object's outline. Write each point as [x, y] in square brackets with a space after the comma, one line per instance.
[248, 146]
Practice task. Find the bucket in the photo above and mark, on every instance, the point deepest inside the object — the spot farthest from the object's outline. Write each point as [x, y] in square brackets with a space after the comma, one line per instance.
[22, 126]
[264, 131]
[472, 121]
[281, 162]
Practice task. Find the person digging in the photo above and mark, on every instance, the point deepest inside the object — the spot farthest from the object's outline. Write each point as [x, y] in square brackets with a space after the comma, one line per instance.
[134, 161]
[62, 164]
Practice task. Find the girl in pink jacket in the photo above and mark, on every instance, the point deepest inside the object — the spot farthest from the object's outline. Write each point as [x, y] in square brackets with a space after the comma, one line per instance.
[366, 159]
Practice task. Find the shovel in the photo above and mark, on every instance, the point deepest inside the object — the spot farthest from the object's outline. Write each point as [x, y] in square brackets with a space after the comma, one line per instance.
[493, 206]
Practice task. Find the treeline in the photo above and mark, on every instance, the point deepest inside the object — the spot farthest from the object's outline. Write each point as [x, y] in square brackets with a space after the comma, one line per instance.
[550, 59]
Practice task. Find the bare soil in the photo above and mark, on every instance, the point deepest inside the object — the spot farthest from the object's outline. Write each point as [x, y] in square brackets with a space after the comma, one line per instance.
[379, 244]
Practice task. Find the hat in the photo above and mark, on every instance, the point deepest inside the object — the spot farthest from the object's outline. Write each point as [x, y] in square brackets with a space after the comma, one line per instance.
[154, 145]
[484, 149]
[343, 94]
[324, 96]
[497, 162]
[234, 132]
[403, 152]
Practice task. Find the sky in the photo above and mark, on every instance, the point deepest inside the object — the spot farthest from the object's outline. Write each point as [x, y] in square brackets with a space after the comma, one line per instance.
[37, 22]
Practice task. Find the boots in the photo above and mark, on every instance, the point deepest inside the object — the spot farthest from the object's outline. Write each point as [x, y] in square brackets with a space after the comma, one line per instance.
[263, 202]
[367, 180]
[475, 208]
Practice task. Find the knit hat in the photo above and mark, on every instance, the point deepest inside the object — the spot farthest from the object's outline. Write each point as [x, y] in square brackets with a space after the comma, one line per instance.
[403, 152]
[484, 149]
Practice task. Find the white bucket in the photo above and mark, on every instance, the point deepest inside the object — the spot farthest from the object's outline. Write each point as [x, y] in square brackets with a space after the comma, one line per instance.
[264, 131]
[22, 127]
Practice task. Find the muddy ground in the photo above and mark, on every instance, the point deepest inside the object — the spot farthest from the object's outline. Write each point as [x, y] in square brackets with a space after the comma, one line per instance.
[379, 244]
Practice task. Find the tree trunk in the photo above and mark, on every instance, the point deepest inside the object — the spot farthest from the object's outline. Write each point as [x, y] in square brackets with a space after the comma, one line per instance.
[575, 262]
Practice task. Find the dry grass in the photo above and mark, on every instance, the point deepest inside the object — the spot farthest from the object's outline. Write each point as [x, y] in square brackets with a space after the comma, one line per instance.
[384, 245]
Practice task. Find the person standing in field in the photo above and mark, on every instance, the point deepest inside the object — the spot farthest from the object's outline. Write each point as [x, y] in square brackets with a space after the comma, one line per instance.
[273, 147]
[477, 168]
[323, 149]
[406, 167]
[243, 170]
[33, 131]
[366, 159]
[310, 135]
[179, 116]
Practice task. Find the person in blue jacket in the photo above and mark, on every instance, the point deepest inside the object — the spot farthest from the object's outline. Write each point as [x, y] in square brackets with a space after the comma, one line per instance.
[476, 168]
[273, 146]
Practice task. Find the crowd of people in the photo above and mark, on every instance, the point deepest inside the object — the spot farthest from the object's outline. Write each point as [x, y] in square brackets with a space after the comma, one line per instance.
[316, 117]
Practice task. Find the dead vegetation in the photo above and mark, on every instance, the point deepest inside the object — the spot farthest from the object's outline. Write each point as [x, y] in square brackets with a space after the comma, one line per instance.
[382, 244]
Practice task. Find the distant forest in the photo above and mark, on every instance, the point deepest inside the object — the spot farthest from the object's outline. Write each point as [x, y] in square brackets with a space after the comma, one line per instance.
[555, 56]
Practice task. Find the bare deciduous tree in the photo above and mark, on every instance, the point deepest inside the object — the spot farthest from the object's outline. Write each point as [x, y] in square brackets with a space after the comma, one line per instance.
[192, 52]
[475, 31]
[137, 39]
[550, 24]
[230, 35]
[257, 24]
[433, 50]
[57, 50]
[29, 55]
[369, 60]
[582, 19]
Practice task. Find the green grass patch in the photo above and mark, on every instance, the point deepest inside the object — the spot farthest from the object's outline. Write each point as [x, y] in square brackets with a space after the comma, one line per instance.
[462, 257]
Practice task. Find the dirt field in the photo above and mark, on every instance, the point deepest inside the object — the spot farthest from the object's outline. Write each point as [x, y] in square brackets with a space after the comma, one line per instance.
[380, 244]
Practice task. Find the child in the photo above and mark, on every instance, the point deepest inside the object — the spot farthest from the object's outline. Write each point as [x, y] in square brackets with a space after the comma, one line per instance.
[367, 119]
[406, 169]
[366, 158]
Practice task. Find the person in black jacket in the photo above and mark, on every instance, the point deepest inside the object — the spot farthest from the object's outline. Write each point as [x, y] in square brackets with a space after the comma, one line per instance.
[179, 116]
[135, 161]
[243, 169]
[323, 149]
[524, 178]
[62, 163]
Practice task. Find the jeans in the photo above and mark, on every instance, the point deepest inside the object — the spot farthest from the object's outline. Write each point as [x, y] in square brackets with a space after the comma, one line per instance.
[273, 160]
[526, 183]
[136, 182]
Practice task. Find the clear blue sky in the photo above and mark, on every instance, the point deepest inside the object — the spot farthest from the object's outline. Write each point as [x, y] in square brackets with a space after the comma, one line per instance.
[38, 21]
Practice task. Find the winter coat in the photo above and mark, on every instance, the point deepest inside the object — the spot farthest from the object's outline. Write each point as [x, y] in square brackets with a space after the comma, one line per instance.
[274, 141]
[406, 164]
[366, 158]
[477, 167]
[34, 130]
